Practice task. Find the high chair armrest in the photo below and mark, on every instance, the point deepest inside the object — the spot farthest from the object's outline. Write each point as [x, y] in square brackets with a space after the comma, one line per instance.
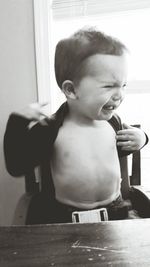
[143, 189]
[140, 198]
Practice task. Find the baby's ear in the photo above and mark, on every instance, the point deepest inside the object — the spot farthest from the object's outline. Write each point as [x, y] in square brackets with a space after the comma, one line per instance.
[68, 89]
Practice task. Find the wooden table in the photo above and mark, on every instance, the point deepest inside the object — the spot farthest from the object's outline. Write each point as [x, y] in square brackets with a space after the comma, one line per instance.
[115, 243]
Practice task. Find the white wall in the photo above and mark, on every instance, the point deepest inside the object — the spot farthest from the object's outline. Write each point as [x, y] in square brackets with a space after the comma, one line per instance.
[17, 85]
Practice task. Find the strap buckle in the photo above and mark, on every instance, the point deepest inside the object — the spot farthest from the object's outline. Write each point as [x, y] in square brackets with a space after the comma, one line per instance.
[90, 216]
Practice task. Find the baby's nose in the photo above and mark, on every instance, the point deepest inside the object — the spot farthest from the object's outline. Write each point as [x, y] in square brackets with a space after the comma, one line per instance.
[118, 95]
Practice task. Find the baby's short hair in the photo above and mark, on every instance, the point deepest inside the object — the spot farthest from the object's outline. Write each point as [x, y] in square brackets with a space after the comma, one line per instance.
[71, 52]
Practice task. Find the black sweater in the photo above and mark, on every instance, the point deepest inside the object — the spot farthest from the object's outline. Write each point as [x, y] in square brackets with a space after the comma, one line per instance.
[26, 148]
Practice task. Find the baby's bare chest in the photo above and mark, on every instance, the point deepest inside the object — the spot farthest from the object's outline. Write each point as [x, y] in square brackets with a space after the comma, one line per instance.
[90, 143]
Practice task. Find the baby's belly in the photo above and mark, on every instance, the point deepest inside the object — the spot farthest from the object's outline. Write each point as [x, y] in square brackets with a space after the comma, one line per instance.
[88, 181]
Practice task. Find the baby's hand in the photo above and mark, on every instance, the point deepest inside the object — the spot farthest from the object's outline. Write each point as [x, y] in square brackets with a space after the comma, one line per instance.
[33, 112]
[130, 138]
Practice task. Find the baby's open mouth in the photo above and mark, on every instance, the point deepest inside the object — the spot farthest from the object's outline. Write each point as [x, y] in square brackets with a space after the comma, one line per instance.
[109, 107]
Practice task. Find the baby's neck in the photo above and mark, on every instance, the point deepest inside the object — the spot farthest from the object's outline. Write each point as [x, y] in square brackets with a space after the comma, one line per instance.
[75, 116]
[78, 119]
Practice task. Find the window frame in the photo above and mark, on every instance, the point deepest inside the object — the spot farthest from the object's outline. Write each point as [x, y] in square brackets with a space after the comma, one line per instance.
[42, 36]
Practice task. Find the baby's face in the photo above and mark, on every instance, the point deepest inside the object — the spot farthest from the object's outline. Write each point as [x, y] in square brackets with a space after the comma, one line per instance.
[101, 90]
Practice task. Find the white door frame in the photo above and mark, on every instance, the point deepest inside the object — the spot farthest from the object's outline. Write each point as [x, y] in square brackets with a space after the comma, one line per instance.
[42, 22]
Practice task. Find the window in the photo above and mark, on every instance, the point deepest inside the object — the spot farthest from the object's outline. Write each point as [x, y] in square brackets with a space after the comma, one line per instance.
[128, 21]
[130, 27]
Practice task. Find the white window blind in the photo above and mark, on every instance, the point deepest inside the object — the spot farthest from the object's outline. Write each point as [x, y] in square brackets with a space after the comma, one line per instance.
[63, 9]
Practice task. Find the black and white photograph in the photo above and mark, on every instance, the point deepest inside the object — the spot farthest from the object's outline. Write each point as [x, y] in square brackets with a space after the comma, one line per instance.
[75, 130]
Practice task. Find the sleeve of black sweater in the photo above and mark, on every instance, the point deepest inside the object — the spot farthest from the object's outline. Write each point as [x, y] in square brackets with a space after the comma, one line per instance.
[25, 148]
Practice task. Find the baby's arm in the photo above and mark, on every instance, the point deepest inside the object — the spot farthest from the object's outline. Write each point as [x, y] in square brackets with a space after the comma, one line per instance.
[33, 112]
[25, 144]
[131, 138]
